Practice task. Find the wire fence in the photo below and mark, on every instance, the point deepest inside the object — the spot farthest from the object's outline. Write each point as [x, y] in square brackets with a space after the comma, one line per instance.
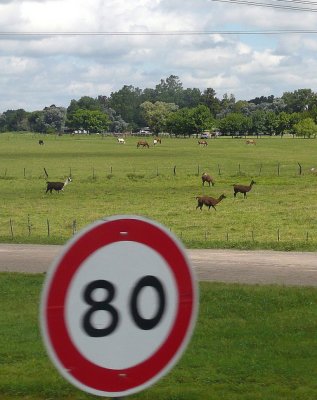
[46, 229]
[278, 169]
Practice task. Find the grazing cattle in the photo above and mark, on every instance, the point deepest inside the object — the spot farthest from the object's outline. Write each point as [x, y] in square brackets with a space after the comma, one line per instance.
[121, 141]
[41, 142]
[202, 143]
[250, 141]
[156, 141]
[142, 143]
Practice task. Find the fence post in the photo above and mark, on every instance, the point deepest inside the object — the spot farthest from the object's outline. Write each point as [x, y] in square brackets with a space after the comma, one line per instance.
[11, 228]
[48, 227]
[278, 234]
[74, 226]
[29, 225]
[300, 169]
[174, 170]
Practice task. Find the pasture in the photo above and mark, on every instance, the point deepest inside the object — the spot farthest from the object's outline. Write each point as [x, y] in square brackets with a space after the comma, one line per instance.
[161, 183]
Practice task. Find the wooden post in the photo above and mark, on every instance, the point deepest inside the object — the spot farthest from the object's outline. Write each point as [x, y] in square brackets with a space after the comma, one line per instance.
[11, 228]
[74, 227]
[29, 225]
[278, 234]
[48, 227]
[300, 168]
[174, 170]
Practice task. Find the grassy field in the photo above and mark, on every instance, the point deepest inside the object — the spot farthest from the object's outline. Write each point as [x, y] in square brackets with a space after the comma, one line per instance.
[161, 183]
[250, 342]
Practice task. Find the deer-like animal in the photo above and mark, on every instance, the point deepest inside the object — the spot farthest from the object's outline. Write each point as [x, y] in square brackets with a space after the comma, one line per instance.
[208, 201]
[242, 189]
[57, 186]
[207, 178]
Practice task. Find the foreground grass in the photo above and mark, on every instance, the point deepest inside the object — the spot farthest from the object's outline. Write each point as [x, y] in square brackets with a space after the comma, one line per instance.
[250, 342]
[111, 179]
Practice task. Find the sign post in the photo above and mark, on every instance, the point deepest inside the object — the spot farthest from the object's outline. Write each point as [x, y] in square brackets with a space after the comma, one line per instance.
[118, 306]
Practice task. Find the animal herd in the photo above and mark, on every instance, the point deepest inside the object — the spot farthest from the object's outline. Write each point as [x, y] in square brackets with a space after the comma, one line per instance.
[206, 178]
[212, 202]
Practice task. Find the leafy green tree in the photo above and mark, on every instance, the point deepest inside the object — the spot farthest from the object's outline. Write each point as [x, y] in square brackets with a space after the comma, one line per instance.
[306, 128]
[156, 114]
[91, 121]
[36, 121]
[299, 100]
[234, 124]
[54, 118]
[190, 98]
[126, 102]
[190, 121]
[14, 120]
[209, 99]
[84, 103]
[169, 90]
[283, 125]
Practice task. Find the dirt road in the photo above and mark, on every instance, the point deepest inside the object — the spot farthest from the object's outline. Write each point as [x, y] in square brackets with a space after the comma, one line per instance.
[252, 267]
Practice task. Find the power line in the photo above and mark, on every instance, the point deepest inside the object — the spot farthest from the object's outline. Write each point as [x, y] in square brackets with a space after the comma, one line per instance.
[166, 33]
[270, 5]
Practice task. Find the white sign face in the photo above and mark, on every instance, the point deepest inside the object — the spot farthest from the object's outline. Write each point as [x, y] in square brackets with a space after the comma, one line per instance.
[118, 306]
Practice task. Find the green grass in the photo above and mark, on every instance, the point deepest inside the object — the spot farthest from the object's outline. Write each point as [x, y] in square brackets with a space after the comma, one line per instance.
[110, 179]
[250, 342]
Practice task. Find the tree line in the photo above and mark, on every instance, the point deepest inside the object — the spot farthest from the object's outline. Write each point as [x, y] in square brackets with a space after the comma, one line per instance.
[170, 108]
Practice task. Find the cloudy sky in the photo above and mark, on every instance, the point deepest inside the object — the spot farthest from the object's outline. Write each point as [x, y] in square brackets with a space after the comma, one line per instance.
[38, 69]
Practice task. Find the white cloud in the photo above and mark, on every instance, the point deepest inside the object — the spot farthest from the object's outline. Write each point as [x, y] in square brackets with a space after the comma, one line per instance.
[37, 71]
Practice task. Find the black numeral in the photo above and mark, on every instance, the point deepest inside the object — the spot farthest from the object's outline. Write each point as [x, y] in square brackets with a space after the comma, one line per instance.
[99, 306]
[150, 323]
[104, 305]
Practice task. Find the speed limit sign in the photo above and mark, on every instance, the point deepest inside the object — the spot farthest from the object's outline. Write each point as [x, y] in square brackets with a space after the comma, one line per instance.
[118, 306]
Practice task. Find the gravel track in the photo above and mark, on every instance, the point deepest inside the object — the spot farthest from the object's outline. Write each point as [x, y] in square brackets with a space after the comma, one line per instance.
[250, 267]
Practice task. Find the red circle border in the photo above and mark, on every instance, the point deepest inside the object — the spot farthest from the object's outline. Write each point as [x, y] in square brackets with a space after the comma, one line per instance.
[74, 364]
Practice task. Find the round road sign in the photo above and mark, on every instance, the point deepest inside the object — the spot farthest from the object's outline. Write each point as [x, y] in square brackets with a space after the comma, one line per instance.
[118, 306]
